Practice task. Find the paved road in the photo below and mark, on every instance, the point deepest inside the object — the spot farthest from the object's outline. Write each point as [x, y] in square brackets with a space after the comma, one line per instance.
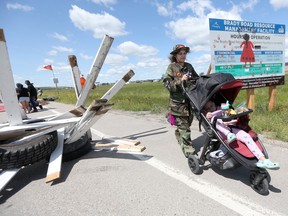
[155, 182]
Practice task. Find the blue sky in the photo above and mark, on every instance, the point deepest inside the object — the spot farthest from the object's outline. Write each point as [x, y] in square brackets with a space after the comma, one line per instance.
[45, 32]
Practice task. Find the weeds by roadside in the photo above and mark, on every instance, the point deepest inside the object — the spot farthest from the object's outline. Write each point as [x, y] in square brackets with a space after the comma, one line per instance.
[153, 97]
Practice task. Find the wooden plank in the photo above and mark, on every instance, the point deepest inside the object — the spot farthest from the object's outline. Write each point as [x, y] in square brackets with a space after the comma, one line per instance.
[272, 98]
[55, 162]
[7, 85]
[97, 109]
[122, 141]
[250, 98]
[39, 133]
[25, 130]
[209, 69]
[76, 74]
[112, 139]
[93, 113]
[118, 141]
[76, 112]
[118, 85]
[6, 176]
[95, 69]
[38, 125]
[105, 146]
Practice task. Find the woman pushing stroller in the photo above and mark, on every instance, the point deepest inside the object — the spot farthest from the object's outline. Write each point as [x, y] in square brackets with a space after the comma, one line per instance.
[232, 132]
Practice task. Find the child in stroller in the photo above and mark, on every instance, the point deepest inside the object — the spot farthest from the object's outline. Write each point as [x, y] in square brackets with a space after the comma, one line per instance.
[223, 87]
[232, 132]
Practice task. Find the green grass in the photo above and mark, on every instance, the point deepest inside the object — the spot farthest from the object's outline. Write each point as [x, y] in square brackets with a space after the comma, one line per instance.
[153, 97]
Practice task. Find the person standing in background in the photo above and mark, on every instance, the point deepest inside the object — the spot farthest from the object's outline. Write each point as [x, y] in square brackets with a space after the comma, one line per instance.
[23, 97]
[33, 95]
[82, 80]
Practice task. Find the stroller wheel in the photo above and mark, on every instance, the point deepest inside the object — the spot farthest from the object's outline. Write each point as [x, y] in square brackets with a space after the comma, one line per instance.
[194, 164]
[259, 183]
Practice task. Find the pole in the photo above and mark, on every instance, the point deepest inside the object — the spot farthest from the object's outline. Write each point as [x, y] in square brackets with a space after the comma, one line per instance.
[55, 81]
[95, 69]
[272, 98]
[76, 74]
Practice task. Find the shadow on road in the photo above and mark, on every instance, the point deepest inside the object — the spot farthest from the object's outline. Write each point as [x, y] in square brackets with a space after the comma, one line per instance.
[146, 133]
[38, 171]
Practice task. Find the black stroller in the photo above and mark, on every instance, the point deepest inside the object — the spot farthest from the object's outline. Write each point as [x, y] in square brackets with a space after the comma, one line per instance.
[224, 87]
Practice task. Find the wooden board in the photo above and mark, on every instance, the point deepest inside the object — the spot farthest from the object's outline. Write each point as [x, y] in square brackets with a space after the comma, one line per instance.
[111, 146]
[55, 162]
[27, 129]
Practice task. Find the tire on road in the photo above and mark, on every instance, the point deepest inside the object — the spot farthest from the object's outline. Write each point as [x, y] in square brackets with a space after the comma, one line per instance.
[17, 154]
[78, 148]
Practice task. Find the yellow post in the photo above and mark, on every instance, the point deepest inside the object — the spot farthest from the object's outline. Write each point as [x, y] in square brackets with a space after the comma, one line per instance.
[272, 98]
[209, 69]
[250, 98]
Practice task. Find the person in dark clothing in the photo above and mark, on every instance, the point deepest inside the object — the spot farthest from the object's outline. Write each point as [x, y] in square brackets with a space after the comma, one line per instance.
[23, 97]
[33, 95]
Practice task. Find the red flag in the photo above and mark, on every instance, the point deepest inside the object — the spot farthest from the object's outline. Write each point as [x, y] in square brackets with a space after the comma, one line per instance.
[48, 67]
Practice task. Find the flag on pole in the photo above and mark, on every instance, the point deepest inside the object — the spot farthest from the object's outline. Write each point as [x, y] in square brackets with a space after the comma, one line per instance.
[48, 67]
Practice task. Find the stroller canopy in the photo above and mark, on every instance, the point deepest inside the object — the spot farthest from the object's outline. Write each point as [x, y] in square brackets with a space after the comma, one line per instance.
[217, 86]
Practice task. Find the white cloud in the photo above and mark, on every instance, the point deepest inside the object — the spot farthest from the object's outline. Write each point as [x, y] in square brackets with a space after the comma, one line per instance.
[52, 53]
[205, 58]
[106, 3]
[198, 7]
[48, 61]
[98, 24]
[63, 49]
[277, 4]
[131, 48]
[194, 30]
[115, 59]
[59, 37]
[116, 72]
[17, 6]
[85, 57]
[165, 10]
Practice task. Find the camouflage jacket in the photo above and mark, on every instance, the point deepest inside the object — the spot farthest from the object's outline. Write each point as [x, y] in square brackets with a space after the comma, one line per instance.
[178, 104]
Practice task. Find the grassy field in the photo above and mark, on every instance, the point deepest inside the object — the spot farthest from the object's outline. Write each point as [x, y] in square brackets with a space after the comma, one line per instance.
[153, 97]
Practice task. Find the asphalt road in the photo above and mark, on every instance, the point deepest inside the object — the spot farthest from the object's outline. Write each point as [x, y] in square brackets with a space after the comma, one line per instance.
[156, 181]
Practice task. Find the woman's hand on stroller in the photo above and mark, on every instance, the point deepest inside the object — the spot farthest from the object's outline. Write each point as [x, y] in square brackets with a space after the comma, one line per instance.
[185, 77]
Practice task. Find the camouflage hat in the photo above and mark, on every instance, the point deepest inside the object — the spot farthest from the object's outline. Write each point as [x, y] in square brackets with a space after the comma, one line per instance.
[179, 47]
